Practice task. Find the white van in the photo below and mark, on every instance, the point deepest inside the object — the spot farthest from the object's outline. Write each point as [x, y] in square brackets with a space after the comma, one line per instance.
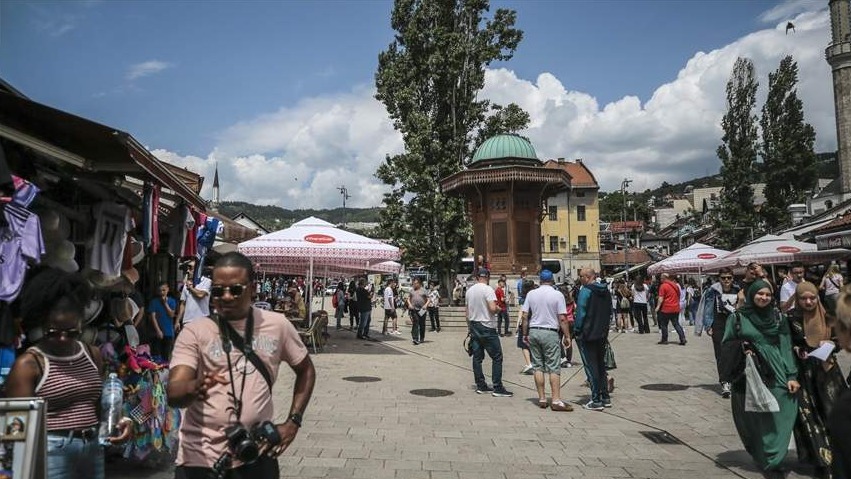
[558, 268]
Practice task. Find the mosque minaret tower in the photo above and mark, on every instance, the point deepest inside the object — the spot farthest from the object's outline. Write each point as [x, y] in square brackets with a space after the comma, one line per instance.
[838, 55]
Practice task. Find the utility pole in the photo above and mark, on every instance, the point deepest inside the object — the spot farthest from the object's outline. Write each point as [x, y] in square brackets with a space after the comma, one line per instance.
[624, 185]
[345, 192]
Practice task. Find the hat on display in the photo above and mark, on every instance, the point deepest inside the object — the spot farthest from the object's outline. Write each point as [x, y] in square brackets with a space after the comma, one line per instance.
[137, 249]
[100, 281]
[546, 276]
[92, 310]
[131, 274]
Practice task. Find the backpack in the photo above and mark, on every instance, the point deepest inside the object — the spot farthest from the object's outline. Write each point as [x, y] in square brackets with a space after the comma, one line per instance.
[599, 311]
[334, 301]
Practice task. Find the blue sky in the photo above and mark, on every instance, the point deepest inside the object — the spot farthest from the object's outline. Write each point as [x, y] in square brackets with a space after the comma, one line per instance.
[275, 91]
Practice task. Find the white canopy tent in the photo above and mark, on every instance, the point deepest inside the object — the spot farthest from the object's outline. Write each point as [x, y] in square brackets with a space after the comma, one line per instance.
[771, 249]
[312, 244]
[691, 260]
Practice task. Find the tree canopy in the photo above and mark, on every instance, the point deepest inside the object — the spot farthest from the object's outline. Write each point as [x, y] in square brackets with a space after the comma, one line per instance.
[429, 80]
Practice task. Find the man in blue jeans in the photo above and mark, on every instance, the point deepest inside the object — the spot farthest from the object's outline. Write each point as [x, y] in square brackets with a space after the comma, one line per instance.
[591, 329]
[481, 321]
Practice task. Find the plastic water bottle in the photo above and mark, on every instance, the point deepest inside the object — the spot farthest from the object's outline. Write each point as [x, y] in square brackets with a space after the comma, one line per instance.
[112, 403]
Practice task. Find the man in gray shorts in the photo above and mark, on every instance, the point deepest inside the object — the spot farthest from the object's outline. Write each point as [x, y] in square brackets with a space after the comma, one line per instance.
[544, 313]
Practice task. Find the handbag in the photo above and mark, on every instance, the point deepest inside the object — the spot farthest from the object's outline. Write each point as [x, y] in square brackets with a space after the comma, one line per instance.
[624, 303]
[731, 358]
[609, 357]
[757, 396]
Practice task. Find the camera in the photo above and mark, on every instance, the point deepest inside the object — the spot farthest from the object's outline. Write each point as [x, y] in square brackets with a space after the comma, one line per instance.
[244, 444]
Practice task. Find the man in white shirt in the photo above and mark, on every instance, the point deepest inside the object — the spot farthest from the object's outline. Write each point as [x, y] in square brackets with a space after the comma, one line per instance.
[787, 292]
[390, 308]
[544, 314]
[481, 321]
[194, 299]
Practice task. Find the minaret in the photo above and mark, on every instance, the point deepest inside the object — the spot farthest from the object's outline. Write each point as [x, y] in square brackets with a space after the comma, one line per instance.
[838, 55]
[215, 202]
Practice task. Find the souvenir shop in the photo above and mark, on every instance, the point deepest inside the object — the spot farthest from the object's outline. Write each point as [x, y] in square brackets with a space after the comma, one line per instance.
[82, 197]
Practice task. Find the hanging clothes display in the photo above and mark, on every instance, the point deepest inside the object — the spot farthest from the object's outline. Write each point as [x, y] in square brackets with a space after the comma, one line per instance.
[150, 221]
[182, 222]
[192, 235]
[211, 227]
[113, 222]
[20, 241]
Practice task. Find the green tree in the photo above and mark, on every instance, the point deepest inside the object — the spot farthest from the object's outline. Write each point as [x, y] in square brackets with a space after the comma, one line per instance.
[738, 154]
[428, 79]
[790, 166]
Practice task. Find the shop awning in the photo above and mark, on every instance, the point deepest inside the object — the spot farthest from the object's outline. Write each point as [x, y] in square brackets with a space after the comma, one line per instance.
[85, 144]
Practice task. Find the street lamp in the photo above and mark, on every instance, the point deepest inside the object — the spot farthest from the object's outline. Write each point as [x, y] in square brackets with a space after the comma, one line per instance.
[624, 185]
[345, 193]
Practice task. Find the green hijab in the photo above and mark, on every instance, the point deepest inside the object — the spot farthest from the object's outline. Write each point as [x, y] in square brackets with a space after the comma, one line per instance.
[764, 319]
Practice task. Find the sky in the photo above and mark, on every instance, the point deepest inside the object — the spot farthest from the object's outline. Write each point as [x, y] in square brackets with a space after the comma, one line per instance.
[280, 94]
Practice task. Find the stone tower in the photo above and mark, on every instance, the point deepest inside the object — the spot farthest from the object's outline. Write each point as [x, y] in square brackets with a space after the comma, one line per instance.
[838, 55]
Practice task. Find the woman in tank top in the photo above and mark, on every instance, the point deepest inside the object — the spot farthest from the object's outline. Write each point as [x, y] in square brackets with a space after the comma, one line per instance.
[65, 372]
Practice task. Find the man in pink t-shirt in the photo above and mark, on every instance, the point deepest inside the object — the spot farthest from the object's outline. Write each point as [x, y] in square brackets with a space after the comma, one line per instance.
[219, 386]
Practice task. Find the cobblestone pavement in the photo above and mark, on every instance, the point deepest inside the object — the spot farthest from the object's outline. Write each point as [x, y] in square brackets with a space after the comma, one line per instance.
[380, 429]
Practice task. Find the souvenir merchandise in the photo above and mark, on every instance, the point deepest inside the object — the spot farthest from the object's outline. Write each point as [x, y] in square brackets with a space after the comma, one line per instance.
[113, 222]
[150, 223]
[20, 242]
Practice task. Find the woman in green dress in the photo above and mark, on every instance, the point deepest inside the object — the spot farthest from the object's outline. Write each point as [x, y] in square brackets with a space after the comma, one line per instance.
[821, 381]
[765, 334]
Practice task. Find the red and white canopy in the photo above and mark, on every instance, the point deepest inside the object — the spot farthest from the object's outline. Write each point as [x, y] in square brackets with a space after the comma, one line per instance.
[316, 241]
[689, 260]
[771, 249]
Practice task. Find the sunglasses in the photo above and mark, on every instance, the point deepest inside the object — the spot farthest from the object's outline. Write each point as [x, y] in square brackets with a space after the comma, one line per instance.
[217, 291]
[725, 277]
[68, 332]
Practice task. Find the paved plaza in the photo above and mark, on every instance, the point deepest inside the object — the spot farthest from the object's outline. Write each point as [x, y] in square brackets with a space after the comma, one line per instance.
[668, 420]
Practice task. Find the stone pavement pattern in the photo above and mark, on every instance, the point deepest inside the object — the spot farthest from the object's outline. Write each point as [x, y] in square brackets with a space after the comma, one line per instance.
[380, 430]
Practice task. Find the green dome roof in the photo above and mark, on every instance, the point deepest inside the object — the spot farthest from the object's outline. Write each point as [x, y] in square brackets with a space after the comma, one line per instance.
[508, 147]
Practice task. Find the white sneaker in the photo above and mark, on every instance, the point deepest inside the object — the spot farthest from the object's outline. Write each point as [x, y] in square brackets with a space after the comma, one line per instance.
[527, 369]
[568, 365]
[725, 390]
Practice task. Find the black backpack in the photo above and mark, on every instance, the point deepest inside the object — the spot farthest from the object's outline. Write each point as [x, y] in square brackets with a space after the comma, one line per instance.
[598, 314]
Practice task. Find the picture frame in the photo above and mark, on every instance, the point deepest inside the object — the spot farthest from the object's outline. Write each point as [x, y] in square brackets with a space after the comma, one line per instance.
[23, 438]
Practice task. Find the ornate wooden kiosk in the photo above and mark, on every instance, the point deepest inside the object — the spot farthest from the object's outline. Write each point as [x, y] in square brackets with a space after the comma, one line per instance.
[506, 188]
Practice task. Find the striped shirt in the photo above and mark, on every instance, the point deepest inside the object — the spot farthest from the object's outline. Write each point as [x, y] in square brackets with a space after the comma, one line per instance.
[72, 387]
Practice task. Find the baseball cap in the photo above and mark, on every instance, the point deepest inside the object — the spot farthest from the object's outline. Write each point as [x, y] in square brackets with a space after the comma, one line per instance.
[546, 275]
[483, 272]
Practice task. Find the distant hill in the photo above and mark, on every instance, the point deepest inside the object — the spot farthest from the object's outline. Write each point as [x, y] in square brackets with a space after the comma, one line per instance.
[275, 218]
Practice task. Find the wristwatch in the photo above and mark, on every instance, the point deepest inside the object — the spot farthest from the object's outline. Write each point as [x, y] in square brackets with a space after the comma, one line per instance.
[295, 418]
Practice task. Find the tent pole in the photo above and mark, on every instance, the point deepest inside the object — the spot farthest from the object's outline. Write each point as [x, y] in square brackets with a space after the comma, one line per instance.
[310, 285]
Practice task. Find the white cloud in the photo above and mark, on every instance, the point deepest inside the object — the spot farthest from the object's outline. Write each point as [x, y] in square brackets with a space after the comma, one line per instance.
[144, 69]
[788, 9]
[297, 156]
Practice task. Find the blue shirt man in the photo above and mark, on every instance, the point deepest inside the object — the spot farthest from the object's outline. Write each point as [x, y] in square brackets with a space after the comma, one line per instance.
[162, 310]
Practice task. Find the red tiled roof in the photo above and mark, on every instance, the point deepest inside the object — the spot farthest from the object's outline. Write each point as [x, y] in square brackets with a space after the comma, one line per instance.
[628, 226]
[634, 256]
[838, 223]
[580, 175]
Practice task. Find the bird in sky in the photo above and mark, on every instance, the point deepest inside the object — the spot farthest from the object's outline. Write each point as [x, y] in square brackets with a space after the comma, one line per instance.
[790, 26]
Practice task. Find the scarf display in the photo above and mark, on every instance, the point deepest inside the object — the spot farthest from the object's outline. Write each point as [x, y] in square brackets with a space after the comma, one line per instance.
[816, 329]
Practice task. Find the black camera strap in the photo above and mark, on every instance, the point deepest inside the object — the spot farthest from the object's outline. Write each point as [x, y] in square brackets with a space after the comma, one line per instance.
[245, 346]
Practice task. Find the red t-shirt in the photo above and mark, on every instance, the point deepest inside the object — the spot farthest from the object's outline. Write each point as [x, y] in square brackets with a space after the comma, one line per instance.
[670, 294]
[500, 298]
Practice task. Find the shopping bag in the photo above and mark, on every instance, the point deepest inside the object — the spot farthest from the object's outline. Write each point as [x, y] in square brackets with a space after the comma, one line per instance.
[609, 358]
[757, 396]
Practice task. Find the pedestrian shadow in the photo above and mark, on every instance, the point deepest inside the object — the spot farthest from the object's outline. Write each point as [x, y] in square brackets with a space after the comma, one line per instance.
[344, 341]
[740, 459]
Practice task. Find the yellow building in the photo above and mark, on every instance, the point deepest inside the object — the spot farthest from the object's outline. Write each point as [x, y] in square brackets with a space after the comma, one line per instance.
[571, 228]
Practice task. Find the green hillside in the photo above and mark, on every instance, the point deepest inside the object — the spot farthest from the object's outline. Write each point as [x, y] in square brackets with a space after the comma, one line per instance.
[274, 217]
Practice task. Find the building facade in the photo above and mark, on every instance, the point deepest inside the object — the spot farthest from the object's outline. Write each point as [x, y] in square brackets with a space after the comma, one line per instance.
[571, 226]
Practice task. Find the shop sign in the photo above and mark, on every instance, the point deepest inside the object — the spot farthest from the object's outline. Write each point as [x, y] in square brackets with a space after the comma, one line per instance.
[788, 249]
[319, 239]
[834, 240]
[706, 256]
